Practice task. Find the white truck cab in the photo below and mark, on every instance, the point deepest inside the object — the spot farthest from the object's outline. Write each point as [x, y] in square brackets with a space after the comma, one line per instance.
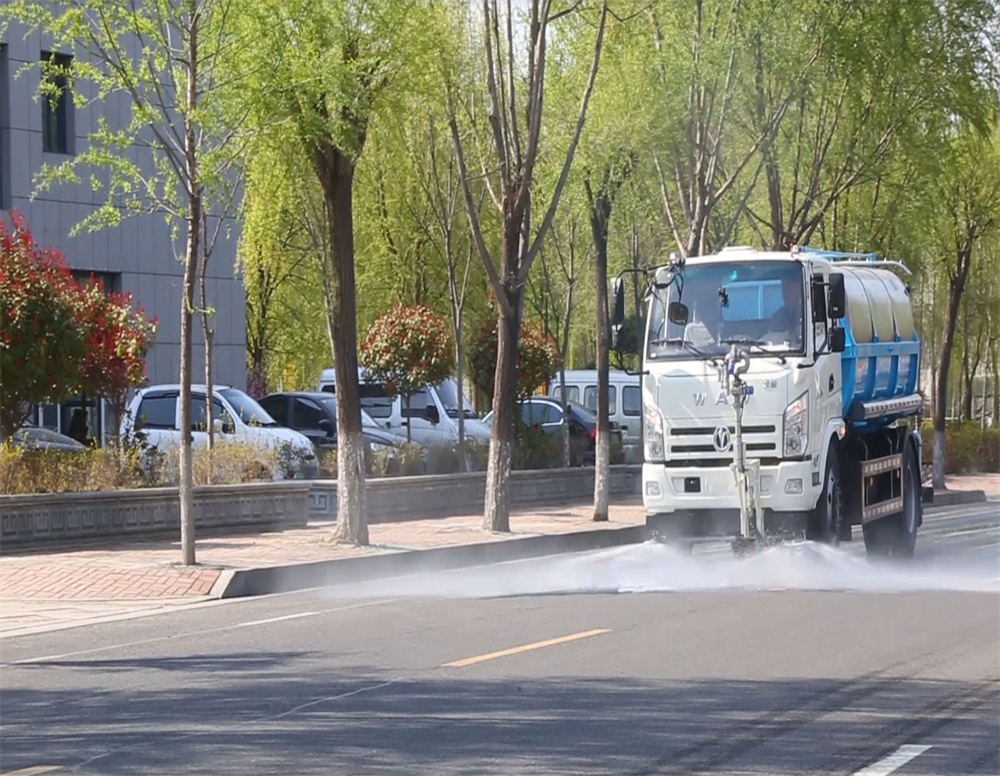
[752, 328]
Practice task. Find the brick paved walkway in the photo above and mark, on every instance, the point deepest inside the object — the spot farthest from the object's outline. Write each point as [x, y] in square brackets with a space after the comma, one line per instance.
[150, 570]
[988, 483]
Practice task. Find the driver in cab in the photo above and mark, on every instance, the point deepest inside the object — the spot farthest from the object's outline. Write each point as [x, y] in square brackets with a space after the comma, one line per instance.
[785, 325]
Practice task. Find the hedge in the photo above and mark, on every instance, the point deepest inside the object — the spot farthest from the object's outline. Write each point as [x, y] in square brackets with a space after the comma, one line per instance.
[967, 448]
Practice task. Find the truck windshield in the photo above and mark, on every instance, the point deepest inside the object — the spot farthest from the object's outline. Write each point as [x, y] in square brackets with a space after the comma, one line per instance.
[756, 303]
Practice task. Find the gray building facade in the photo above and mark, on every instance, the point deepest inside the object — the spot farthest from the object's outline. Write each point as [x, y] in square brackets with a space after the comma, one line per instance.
[139, 256]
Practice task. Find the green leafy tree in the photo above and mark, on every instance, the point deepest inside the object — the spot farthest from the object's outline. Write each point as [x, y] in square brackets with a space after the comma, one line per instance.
[59, 338]
[518, 141]
[186, 101]
[406, 349]
[537, 359]
[327, 68]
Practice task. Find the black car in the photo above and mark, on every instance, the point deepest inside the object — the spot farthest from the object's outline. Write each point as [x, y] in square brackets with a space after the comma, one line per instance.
[546, 414]
[314, 414]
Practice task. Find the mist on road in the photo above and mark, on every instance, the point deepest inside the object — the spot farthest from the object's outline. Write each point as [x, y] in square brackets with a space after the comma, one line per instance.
[657, 567]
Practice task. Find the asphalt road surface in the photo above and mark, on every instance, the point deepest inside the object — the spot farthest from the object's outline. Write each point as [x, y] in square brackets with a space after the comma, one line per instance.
[639, 660]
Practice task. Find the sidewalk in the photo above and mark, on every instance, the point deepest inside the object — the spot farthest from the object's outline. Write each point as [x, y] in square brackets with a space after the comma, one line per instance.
[988, 483]
[48, 590]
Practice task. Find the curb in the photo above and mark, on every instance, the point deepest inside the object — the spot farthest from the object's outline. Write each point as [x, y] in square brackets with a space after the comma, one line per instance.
[950, 498]
[301, 576]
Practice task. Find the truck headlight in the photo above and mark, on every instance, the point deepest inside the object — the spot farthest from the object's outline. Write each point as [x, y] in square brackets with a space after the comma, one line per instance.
[652, 433]
[796, 437]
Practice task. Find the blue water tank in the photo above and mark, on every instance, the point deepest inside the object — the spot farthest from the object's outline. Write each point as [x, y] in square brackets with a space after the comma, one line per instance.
[882, 358]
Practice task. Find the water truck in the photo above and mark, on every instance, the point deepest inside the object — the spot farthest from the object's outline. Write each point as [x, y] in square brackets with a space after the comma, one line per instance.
[779, 399]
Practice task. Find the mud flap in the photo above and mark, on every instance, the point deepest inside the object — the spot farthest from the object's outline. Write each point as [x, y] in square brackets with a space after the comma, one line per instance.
[927, 494]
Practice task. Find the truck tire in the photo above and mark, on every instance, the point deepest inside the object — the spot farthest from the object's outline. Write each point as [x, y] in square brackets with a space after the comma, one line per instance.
[895, 536]
[825, 520]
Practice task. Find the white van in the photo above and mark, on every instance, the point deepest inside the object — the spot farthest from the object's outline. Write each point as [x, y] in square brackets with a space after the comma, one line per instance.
[433, 411]
[236, 417]
[624, 403]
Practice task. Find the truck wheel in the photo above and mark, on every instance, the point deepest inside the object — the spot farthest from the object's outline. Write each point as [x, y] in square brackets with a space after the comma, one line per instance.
[825, 519]
[895, 536]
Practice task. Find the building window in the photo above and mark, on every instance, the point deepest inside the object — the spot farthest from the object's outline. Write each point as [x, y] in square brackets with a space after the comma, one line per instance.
[57, 118]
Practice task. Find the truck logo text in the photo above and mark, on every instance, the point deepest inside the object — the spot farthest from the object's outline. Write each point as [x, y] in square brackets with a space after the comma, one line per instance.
[700, 397]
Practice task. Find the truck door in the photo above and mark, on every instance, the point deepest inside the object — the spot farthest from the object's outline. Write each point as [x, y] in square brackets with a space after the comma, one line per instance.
[827, 371]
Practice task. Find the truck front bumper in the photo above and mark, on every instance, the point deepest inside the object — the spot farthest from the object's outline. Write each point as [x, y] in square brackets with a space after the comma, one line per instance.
[703, 500]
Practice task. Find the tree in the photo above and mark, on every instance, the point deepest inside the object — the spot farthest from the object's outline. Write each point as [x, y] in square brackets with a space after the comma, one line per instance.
[58, 338]
[537, 359]
[601, 197]
[326, 67]
[554, 301]
[968, 193]
[184, 98]
[117, 340]
[517, 142]
[406, 349]
[440, 185]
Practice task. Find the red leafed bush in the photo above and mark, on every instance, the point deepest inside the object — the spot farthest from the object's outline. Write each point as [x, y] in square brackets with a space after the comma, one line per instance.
[58, 339]
[407, 348]
[537, 358]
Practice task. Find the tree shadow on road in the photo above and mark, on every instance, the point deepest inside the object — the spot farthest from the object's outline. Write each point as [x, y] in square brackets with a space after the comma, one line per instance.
[277, 712]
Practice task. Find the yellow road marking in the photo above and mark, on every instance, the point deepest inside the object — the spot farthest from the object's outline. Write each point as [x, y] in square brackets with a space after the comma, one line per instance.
[34, 770]
[525, 648]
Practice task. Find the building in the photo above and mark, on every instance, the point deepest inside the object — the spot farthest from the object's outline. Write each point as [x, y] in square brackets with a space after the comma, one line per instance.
[139, 257]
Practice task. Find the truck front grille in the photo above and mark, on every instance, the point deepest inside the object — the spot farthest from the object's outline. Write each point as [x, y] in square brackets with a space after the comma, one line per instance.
[694, 444]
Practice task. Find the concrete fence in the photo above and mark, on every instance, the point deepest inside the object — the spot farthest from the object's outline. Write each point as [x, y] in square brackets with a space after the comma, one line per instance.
[54, 518]
[397, 499]
[60, 518]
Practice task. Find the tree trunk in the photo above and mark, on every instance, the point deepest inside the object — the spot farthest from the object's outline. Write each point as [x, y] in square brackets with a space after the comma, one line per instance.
[338, 181]
[967, 376]
[206, 328]
[602, 461]
[186, 489]
[186, 486]
[567, 462]
[995, 415]
[955, 289]
[460, 376]
[497, 512]
[257, 376]
[409, 418]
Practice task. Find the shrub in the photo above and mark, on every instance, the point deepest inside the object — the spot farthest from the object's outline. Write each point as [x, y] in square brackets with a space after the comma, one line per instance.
[58, 338]
[24, 471]
[967, 448]
[405, 349]
[537, 358]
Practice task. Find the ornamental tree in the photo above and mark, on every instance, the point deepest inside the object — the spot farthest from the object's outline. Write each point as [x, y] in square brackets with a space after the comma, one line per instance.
[118, 338]
[407, 348]
[537, 358]
[58, 338]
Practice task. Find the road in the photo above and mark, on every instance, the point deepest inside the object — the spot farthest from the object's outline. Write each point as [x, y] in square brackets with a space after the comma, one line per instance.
[638, 660]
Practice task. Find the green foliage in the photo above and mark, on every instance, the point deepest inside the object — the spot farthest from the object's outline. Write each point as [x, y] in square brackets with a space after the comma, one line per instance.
[24, 471]
[968, 449]
[407, 348]
[537, 358]
[59, 338]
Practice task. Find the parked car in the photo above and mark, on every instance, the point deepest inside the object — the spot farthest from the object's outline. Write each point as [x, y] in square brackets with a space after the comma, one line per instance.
[236, 416]
[314, 415]
[624, 403]
[433, 417]
[32, 437]
[546, 413]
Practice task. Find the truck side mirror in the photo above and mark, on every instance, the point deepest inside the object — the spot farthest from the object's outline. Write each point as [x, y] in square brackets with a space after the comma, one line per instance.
[677, 313]
[837, 339]
[837, 306]
[618, 304]
[432, 414]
